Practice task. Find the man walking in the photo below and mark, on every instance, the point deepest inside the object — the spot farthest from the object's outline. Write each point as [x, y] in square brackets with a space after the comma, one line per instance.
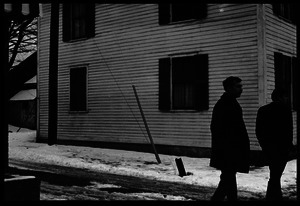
[274, 131]
[230, 141]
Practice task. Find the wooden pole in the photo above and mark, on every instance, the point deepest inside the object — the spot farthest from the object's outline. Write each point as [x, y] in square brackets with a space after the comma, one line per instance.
[146, 125]
[180, 167]
[5, 23]
[296, 7]
[53, 71]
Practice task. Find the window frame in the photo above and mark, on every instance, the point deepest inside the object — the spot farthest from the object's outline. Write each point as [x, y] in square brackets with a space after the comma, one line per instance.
[280, 10]
[166, 16]
[177, 79]
[88, 19]
[200, 85]
[86, 109]
[286, 77]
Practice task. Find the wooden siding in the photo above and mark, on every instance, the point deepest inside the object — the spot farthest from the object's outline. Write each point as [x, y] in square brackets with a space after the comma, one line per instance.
[43, 71]
[125, 51]
[280, 37]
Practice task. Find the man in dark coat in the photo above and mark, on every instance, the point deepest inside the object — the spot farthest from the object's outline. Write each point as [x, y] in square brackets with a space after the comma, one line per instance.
[274, 131]
[230, 141]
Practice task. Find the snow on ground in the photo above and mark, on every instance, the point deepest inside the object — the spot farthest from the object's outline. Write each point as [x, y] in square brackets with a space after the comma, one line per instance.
[22, 146]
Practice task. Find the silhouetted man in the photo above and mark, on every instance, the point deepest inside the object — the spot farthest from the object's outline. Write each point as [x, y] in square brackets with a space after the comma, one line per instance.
[230, 141]
[274, 131]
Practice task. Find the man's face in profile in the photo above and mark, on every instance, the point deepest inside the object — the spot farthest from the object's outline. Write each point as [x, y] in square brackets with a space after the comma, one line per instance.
[236, 89]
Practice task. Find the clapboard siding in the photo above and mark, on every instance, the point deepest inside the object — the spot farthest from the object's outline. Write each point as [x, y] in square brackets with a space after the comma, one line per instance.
[280, 37]
[125, 51]
[43, 72]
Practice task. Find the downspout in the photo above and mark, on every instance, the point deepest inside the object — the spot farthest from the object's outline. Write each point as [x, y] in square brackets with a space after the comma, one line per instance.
[262, 59]
[38, 85]
[261, 69]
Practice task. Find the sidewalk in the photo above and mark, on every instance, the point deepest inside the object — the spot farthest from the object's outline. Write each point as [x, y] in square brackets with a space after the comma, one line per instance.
[22, 146]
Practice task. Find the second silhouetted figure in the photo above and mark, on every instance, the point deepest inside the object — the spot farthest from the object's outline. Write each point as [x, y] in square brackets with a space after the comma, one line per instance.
[274, 131]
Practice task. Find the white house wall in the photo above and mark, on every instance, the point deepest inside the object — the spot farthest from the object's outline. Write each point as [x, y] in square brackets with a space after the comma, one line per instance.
[43, 72]
[125, 51]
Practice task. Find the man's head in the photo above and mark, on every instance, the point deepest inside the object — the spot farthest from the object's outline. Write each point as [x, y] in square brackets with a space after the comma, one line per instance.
[233, 86]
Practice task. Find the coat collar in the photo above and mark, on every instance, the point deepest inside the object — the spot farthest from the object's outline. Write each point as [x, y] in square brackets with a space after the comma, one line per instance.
[226, 95]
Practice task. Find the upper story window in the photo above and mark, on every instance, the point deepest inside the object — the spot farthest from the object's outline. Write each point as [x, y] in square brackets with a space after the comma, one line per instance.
[169, 13]
[286, 11]
[78, 21]
[286, 72]
[183, 83]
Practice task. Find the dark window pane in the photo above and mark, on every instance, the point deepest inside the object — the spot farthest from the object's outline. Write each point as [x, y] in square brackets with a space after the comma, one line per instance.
[184, 96]
[183, 83]
[181, 12]
[66, 22]
[190, 82]
[190, 94]
[201, 79]
[78, 21]
[164, 14]
[287, 11]
[78, 89]
[283, 69]
[178, 96]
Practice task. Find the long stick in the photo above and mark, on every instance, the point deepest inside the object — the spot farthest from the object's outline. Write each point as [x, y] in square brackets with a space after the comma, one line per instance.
[146, 125]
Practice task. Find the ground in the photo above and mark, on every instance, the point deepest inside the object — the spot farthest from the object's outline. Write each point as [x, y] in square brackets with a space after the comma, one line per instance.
[137, 175]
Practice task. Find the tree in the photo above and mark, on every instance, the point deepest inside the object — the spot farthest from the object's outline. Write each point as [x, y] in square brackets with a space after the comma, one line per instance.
[22, 40]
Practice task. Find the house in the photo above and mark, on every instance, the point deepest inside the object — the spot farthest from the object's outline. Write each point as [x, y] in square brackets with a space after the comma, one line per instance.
[22, 106]
[22, 93]
[176, 56]
[23, 72]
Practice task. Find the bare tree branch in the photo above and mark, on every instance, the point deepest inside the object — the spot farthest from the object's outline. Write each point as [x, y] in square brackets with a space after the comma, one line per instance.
[23, 40]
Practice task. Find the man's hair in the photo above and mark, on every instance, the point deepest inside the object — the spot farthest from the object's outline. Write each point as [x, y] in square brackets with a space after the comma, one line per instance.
[278, 93]
[230, 82]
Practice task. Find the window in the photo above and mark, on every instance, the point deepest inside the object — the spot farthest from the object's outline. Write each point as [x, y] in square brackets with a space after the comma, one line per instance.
[183, 83]
[287, 11]
[78, 21]
[285, 76]
[169, 13]
[78, 89]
